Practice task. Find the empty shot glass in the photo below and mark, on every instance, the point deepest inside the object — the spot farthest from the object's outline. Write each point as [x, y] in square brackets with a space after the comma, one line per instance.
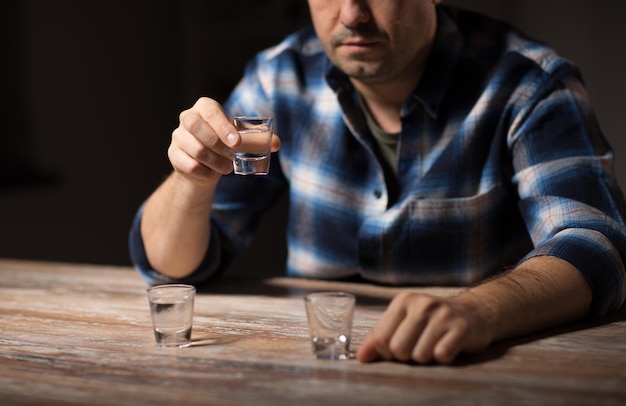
[252, 156]
[329, 315]
[171, 308]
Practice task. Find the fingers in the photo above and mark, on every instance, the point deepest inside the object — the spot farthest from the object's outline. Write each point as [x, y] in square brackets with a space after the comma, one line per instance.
[201, 145]
[418, 328]
[442, 339]
[213, 114]
[368, 351]
[376, 345]
[450, 346]
[192, 158]
[404, 334]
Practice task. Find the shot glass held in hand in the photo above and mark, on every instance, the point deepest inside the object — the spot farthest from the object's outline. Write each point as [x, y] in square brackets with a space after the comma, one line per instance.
[252, 157]
[329, 315]
[171, 308]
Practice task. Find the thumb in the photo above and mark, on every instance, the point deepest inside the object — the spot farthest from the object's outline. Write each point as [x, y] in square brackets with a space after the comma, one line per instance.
[275, 143]
[368, 352]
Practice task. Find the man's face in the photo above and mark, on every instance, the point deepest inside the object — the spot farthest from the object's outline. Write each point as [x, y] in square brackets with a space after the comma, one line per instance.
[375, 41]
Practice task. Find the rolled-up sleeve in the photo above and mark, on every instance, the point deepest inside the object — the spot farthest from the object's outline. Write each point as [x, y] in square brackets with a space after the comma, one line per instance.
[569, 197]
[138, 257]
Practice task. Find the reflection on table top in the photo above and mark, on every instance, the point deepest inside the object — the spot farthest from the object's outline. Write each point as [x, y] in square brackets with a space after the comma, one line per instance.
[79, 334]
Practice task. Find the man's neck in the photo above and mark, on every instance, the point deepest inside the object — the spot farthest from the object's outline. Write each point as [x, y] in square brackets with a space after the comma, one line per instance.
[385, 100]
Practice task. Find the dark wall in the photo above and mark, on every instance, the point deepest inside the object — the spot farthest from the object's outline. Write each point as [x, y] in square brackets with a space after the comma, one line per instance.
[91, 91]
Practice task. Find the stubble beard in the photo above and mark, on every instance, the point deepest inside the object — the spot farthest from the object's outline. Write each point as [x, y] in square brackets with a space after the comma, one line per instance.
[363, 69]
[367, 71]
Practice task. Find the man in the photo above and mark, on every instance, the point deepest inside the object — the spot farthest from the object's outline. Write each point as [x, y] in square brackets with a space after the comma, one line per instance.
[419, 145]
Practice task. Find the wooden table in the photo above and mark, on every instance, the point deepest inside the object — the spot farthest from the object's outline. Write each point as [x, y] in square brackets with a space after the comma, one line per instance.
[76, 334]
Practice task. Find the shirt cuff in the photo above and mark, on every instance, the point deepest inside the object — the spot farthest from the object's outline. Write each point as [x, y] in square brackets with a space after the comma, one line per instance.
[599, 261]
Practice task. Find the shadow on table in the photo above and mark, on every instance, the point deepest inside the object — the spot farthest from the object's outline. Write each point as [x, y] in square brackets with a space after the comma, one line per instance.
[499, 349]
[366, 292]
[211, 340]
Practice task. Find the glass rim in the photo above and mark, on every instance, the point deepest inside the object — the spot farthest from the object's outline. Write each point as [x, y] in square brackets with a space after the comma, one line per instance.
[182, 286]
[253, 120]
[335, 294]
[240, 117]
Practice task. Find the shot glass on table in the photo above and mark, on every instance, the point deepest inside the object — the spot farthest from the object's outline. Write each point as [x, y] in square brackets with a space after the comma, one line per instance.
[329, 316]
[171, 309]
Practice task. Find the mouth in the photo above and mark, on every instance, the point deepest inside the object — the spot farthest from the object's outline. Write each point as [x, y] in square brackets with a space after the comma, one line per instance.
[358, 44]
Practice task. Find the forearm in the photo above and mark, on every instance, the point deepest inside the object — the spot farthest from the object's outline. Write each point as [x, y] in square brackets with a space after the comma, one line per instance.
[175, 226]
[540, 293]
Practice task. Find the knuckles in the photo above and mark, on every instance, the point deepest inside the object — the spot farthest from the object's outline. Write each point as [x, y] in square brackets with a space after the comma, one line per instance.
[425, 310]
[417, 303]
[400, 351]
[191, 121]
[208, 108]
[207, 104]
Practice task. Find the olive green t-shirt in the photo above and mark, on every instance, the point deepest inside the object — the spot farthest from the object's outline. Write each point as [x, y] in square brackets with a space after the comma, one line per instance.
[387, 142]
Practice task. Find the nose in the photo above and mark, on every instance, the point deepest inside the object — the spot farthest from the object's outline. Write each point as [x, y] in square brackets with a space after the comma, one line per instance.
[354, 12]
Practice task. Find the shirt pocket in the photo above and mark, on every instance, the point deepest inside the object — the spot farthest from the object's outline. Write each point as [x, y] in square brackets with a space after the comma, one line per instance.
[451, 241]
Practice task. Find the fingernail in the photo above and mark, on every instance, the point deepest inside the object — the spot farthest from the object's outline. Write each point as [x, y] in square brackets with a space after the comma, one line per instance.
[232, 139]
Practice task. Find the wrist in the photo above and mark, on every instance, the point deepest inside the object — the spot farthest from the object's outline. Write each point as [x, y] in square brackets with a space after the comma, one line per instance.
[484, 314]
[190, 195]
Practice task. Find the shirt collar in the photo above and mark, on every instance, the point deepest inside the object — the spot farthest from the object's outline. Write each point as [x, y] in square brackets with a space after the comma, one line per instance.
[442, 61]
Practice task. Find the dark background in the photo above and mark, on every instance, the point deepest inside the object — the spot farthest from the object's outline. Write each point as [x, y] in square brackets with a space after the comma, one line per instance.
[91, 91]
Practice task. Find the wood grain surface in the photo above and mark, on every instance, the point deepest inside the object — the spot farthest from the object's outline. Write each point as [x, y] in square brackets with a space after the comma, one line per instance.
[74, 334]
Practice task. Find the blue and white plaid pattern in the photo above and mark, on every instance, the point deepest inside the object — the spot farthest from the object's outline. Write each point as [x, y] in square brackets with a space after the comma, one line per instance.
[500, 159]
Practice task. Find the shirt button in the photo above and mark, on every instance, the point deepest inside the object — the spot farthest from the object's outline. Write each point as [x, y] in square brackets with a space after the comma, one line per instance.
[378, 193]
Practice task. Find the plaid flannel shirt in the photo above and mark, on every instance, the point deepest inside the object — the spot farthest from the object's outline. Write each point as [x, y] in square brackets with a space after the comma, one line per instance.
[500, 159]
